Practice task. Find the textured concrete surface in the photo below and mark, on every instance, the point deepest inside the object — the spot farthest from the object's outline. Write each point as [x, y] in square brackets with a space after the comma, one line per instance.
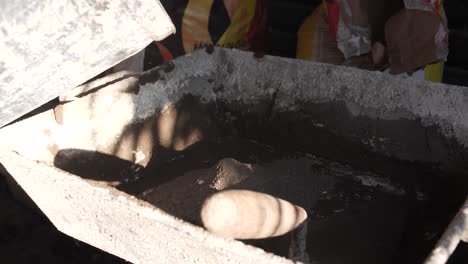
[49, 47]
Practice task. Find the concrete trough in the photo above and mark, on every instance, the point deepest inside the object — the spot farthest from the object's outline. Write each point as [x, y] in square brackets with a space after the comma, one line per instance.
[124, 162]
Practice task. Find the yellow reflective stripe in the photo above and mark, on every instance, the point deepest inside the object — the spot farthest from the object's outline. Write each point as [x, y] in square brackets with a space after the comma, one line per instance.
[307, 34]
[240, 24]
[434, 72]
[195, 24]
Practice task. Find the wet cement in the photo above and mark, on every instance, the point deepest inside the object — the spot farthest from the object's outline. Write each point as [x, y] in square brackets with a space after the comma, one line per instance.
[345, 215]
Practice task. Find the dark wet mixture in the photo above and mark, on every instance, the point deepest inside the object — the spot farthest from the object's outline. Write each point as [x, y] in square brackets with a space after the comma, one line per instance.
[354, 216]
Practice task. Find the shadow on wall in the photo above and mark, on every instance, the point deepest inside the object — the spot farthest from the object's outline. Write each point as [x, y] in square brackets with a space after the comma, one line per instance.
[140, 144]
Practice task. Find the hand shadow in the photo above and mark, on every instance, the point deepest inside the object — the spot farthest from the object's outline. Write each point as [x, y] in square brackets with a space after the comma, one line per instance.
[97, 166]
